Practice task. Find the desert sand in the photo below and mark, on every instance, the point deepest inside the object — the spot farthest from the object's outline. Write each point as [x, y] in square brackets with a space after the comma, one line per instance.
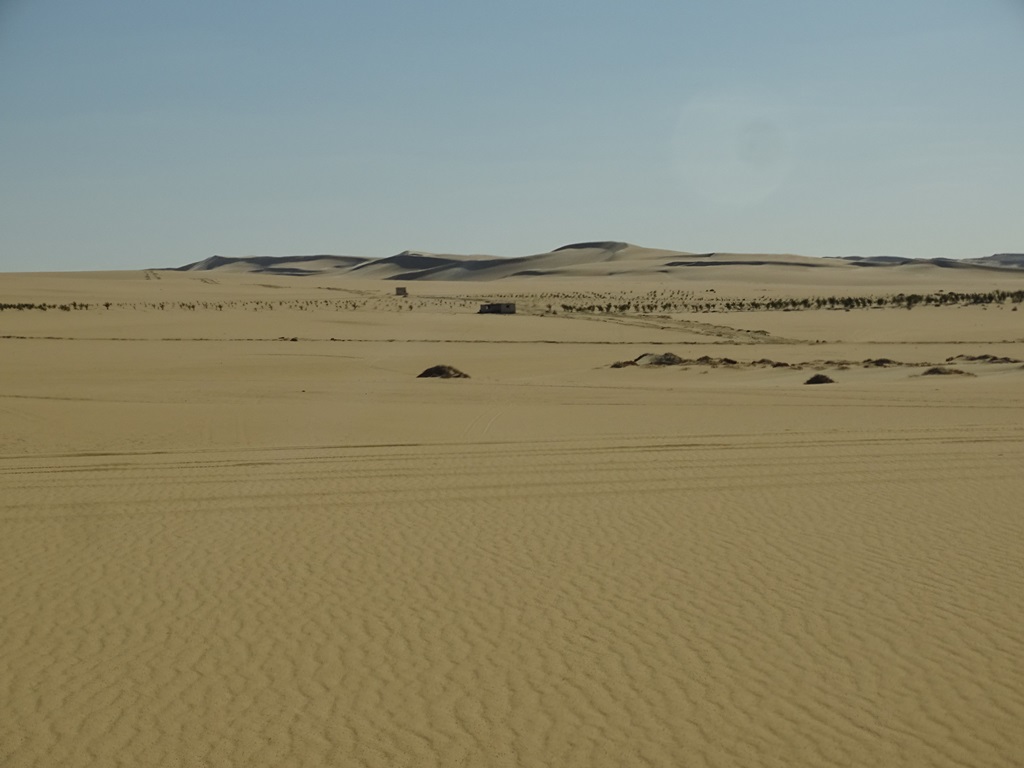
[237, 529]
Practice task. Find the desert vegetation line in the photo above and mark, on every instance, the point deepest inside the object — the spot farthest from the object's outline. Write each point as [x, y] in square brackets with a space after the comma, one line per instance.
[653, 302]
[899, 301]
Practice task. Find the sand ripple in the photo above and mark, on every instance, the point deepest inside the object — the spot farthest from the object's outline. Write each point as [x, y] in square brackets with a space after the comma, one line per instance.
[805, 601]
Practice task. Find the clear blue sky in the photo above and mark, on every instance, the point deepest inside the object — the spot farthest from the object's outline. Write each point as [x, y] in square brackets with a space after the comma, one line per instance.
[137, 134]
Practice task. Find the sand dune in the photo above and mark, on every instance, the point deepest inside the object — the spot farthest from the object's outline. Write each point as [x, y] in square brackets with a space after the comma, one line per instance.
[593, 259]
[222, 546]
[289, 265]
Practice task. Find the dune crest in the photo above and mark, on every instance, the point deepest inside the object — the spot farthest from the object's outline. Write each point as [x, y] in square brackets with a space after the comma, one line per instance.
[599, 258]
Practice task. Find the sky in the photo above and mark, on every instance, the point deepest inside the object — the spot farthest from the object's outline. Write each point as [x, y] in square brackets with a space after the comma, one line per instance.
[144, 134]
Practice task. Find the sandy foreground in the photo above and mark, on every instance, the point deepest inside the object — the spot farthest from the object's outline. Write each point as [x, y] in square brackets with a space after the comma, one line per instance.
[220, 546]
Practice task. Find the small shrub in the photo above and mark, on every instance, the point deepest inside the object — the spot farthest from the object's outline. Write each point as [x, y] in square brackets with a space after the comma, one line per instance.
[819, 378]
[665, 358]
[442, 372]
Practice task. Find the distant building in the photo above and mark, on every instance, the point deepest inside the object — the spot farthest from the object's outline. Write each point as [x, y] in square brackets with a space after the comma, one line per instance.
[401, 292]
[501, 308]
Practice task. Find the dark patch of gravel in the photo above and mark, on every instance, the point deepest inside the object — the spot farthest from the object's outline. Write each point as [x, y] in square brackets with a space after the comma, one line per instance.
[983, 359]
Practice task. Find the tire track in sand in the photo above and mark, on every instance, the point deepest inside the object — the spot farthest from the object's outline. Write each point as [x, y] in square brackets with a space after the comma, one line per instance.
[704, 602]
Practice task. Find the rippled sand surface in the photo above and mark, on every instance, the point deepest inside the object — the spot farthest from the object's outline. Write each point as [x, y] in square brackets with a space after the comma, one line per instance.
[263, 553]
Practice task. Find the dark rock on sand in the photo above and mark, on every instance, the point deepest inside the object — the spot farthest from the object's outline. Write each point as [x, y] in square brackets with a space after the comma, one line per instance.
[442, 372]
[819, 378]
[665, 358]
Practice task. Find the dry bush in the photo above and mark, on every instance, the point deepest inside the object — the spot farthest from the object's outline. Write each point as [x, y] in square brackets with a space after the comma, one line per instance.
[443, 372]
[819, 378]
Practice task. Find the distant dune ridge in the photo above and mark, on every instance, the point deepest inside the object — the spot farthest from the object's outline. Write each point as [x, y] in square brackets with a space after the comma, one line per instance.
[587, 259]
[278, 265]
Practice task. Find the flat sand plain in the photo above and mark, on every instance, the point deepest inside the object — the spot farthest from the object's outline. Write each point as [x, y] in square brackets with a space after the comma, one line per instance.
[245, 534]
